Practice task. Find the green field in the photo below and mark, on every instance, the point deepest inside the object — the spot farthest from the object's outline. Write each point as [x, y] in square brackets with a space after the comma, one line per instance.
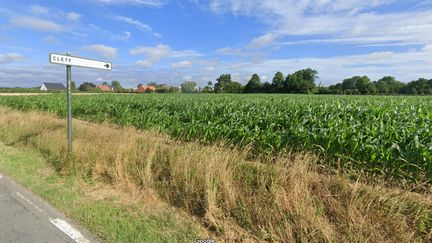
[384, 135]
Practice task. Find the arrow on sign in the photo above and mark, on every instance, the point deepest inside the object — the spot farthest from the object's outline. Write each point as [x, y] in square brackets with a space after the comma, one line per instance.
[107, 65]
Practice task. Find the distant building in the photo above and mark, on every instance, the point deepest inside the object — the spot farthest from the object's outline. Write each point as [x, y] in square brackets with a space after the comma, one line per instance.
[144, 88]
[105, 88]
[52, 87]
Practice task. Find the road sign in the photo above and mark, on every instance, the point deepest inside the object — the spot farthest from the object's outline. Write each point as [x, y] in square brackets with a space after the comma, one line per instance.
[70, 61]
[79, 61]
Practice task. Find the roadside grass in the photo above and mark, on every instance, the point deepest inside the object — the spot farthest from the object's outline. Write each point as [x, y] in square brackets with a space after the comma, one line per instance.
[234, 197]
[107, 217]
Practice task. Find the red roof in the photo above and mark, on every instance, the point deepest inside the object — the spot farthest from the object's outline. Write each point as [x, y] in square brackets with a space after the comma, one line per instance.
[143, 88]
[104, 87]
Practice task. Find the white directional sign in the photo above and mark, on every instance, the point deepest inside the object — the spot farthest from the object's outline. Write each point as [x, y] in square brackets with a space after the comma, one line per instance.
[79, 61]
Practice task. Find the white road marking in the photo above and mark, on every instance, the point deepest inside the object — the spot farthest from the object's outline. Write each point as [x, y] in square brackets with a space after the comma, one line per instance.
[69, 230]
[1, 176]
[29, 202]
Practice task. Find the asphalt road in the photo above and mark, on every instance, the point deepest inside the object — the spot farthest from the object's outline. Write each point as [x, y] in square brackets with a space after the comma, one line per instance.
[24, 217]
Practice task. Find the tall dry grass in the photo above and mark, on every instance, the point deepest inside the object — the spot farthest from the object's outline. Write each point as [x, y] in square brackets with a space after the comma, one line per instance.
[237, 199]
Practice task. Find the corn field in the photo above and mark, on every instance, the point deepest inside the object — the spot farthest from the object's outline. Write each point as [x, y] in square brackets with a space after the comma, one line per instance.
[385, 135]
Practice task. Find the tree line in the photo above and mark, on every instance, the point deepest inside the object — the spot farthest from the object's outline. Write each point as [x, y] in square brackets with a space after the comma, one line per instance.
[304, 82]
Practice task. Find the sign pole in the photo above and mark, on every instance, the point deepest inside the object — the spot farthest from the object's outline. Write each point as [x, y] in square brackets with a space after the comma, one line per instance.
[70, 61]
[69, 106]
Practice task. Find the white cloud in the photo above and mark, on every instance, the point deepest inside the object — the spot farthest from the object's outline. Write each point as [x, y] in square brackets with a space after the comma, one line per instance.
[187, 78]
[263, 40]
[144, 63]
[73, 16]
[185, 53]
[102, 50]
[152, 3]
[35, 9]
[127, 35]
[138, 24]
[11, 57]
[427, 48]
[152, 53]
[135, 23]
[51, 40]
[209, 69]
[228, 51]
[182, 64]
[36, 24]
[338, 19]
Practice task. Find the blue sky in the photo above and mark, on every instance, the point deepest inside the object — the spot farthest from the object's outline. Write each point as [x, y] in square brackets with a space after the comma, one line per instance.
[171, 41]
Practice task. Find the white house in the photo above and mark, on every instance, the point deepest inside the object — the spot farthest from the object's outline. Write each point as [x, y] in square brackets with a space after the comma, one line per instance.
[52, 87]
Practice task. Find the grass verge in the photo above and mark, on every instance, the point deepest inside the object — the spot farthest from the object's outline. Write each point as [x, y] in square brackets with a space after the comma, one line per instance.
[234, 197]
[98, 208]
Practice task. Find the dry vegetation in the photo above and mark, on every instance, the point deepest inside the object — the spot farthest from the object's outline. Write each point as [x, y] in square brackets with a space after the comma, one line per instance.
[234, 198]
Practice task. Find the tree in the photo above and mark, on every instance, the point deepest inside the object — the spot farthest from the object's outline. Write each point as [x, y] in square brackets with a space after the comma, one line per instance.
[116, 85]
[302, 81]
[234, 87]
[222, 82]
[336, 89]
[254, 85]
[421, 86]
[278, 83]
[389, 85]
[154, 84]
[73, 86]
[359, 85]
[188, 87]
[86, 86]
[208, 88]
[173, 89]
[267, 87]
[105, 83]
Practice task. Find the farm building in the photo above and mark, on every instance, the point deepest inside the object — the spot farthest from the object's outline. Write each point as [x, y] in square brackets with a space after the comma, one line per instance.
[105, 88]
[52, 87]
[144, 88]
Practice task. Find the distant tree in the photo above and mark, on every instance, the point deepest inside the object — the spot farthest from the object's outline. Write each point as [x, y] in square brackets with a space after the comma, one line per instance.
[302, 81]
[234, 87]
[149, 91]
[364, 85]
[73, 86]
[222, 82]
[324, 90]
[389, 85]
[254, 85]
[278, 83]
[267, 87]
[359, 85]
[420, 86]
[173, 89]
[86, 86]
[154, 84]
[188, 87]
[162, 88]
[105, 83]
[336, 89]
[116, 85]
[209, 88]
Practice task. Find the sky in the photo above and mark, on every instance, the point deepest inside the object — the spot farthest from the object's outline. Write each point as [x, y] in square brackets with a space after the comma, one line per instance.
[171, 41]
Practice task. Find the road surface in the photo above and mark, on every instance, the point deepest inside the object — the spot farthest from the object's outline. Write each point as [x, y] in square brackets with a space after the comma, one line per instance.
[24, 217]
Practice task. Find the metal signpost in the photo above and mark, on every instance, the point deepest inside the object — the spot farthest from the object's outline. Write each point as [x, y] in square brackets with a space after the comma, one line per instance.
[70, 61]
